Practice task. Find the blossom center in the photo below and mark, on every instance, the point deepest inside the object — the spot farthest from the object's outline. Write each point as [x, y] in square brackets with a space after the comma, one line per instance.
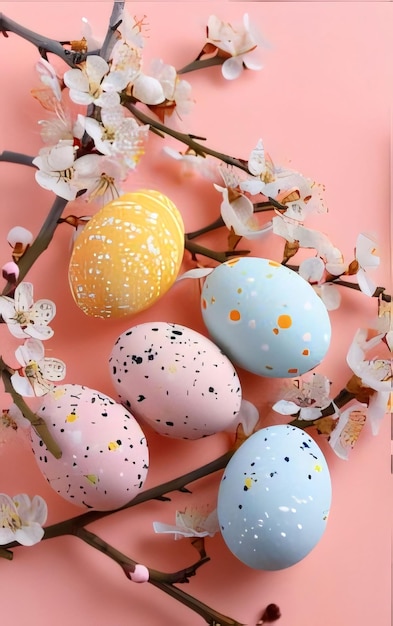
[9, 518]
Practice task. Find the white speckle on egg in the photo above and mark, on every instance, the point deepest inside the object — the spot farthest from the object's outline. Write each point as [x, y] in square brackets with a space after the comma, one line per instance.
[285, 472]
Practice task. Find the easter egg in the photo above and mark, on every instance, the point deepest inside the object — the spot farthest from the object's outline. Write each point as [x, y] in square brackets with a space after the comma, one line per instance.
[274, 498]
[265, 317]
[127, 256]
[175, 379]
[104, 458]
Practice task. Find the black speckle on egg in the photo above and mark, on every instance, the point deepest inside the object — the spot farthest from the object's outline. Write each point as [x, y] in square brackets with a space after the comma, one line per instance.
[136, 359]
[141, 398]
[286, 458]
[169, 423]
[240, 506]
[309, 477]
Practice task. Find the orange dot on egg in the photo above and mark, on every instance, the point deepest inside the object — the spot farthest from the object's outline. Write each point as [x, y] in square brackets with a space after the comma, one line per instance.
[284, 321]
[276, 331]
[306, 352]
[274, 263]
[234, 315]
[204, 303]
[292, 370]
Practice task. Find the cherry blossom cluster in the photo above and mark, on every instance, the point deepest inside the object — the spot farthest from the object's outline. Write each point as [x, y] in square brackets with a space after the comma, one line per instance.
[91, 153]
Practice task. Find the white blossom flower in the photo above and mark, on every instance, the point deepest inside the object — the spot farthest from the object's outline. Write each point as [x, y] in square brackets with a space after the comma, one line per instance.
[237, 211]
[88, 83]
[105, 180]
[33, 378]
[292, 231]
[21, 519]
[236, 44]
[61, 127]
[347, 430]
[24, 317]
[307, 397]
[60, 172]
[118, 135]
[176, 90]
[367, 259]
[131, 30]
[375, 374]
[312, 270]
[262, 169]
[192, 522]
[126, 64]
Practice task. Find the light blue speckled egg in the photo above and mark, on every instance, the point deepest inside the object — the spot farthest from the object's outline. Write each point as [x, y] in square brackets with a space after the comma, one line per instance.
[265, 317]
[274, 498]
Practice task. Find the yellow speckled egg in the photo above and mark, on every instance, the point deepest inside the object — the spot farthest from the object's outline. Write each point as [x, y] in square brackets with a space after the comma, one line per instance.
[128, 255]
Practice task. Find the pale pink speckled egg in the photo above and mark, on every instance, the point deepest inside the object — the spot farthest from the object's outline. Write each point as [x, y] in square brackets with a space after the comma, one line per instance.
[176, 380]
[105, 457]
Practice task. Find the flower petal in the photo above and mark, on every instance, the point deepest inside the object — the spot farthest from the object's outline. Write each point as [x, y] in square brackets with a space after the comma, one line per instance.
[347, 430]
[330, 296]
[256, 162]
[312, 269]
[53, 369]
[232, 68]
[248, 417]
[366, 252]
[148, 90]
[29, 535]
[198, 272]
[22, 385]
[286, 407]
[366, 285]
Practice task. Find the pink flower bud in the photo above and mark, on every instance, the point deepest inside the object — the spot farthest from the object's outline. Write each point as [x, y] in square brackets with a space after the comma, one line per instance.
[140, 574]
[10, 272]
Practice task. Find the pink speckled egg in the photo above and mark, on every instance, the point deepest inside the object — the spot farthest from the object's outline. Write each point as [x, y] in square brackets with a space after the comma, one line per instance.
[105, 457]
[176, 380]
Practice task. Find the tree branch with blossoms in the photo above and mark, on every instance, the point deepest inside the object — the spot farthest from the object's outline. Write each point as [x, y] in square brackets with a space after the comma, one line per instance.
[91, 155]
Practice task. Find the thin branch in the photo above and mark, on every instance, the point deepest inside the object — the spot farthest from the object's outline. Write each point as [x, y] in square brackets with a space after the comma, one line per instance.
[162, 580]
[220, 257]
[37, 423]
[200, 64]
[42, 43]
[40, 243]
[7, 156]
[69, 527]
[184, 138]
[110, 38]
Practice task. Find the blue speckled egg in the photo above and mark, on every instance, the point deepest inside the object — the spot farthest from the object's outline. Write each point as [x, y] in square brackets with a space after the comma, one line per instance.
[274, 498]
[265, 317]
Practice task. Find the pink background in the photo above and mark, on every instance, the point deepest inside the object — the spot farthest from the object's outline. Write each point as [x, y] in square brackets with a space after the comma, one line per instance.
[322, 106]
